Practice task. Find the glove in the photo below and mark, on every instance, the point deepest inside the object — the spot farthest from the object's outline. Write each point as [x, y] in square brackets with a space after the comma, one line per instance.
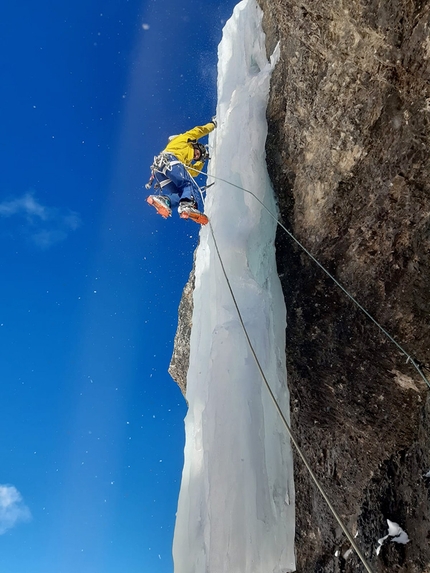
[214, 121]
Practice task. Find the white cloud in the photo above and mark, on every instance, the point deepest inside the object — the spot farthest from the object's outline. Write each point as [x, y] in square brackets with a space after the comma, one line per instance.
[45, 226]
[25, 205]
[12, 508]
[145, 26]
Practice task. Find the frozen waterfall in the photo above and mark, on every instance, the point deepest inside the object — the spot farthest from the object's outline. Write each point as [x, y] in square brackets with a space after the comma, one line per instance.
[236, 504]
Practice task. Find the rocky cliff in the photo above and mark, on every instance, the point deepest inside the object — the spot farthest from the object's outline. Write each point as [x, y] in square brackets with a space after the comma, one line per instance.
[347, 153]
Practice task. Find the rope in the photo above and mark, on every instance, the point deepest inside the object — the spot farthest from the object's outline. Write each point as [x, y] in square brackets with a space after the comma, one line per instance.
[354, 300]
[284, 420]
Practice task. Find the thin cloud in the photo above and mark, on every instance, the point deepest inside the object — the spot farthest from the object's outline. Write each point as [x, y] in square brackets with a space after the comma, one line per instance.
[45, 238]
[25, 205]
[12, 508]
[44, 226]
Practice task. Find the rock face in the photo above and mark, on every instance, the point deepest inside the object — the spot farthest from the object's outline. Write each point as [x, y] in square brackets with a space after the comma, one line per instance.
[180, 361]
[348, 155]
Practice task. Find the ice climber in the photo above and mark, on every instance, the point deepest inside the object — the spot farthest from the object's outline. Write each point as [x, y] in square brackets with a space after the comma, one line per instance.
[174, 171]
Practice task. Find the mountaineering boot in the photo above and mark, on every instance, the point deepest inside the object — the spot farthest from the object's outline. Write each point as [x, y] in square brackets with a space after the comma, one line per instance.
[161, 204]
[188, 210]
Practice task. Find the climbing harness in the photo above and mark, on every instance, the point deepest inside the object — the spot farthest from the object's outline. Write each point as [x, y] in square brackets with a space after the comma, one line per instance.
[161, 164]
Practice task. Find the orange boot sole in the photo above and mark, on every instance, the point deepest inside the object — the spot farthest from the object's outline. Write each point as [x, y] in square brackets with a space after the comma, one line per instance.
[196, 217]
[159, 206]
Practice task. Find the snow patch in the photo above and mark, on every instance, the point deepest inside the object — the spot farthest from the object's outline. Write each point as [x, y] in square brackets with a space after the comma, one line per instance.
[347, 554]
[397, 534]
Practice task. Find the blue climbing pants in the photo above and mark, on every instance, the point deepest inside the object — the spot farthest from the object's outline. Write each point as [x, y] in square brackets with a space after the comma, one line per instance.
[181, 185]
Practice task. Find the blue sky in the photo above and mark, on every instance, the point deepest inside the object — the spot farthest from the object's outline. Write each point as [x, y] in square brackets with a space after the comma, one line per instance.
[91, 424]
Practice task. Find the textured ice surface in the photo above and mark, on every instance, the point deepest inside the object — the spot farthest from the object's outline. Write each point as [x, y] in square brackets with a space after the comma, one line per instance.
[236, 504]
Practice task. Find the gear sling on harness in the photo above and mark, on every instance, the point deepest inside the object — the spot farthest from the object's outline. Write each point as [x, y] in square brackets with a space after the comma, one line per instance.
[161, 164]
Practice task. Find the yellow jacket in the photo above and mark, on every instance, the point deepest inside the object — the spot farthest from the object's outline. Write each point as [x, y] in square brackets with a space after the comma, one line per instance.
[182, 148]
